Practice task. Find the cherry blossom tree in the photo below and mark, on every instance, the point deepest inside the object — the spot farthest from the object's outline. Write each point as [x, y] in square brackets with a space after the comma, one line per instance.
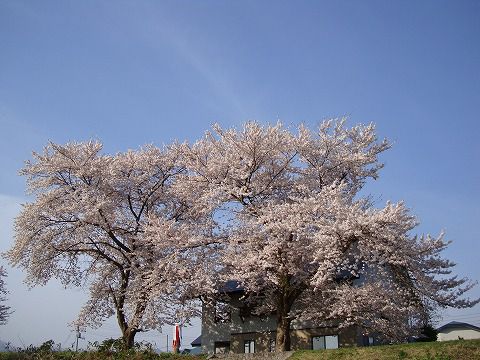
[302, 240]
[86, 225]
[152, 229]
[4, 309]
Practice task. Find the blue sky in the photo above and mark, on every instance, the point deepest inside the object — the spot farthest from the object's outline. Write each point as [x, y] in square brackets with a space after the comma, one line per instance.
[130, 73]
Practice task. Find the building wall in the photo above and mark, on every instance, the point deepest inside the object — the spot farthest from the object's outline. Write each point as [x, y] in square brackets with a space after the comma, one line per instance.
[213, 331]
[262, 341]
[301, 339]
[262, 331]
[455, 334]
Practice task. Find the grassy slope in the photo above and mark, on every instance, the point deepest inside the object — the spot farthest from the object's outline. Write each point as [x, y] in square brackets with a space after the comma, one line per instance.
[446, 350]
[69, 355]
[449, 350]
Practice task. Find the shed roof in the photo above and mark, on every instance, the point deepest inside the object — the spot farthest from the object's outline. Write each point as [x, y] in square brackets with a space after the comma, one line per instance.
[197, 341]
[458, 325]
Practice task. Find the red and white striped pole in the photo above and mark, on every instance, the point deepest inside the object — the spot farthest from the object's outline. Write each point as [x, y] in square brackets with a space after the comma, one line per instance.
[177, 335]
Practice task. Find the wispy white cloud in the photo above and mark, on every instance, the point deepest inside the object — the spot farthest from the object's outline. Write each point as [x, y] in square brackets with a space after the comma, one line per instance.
[159, 30]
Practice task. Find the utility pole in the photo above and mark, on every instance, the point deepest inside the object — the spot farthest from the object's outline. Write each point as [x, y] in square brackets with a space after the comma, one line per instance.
[167, 342]
[78, 336]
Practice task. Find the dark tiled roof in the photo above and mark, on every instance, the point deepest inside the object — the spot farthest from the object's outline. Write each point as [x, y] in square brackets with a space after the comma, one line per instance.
[231, 286]
[197, 341]
[457, 325]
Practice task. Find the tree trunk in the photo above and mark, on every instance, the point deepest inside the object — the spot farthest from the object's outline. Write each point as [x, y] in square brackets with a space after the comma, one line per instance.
[128, 337]
[129, 329]
[128, 332]
[284, 305]
[282, 342]
[286, 297]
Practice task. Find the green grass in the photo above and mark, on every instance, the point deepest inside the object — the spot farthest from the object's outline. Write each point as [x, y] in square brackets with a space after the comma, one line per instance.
[445, 350]
[109, 349]
[93, 355]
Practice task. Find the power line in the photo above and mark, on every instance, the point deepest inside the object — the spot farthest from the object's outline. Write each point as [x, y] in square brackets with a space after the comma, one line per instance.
[79, 336]
[68, 338]
[18, 336]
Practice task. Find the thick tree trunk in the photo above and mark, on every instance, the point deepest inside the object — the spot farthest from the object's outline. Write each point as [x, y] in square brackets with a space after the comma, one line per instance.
[284, 305]
[129, 338]
[129, 329]
[282, 342]
[128, 332]
[286, 297]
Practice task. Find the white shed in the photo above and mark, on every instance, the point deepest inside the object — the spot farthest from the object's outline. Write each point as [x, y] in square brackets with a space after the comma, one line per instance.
[458, 330]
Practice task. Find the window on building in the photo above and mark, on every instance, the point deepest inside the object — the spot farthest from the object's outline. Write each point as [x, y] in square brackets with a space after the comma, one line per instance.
[368, 340]
[318, 342]
[222, 347]
[371, 341]
[249, 346]
[223, 312]
[325, 342]
[331, 342]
